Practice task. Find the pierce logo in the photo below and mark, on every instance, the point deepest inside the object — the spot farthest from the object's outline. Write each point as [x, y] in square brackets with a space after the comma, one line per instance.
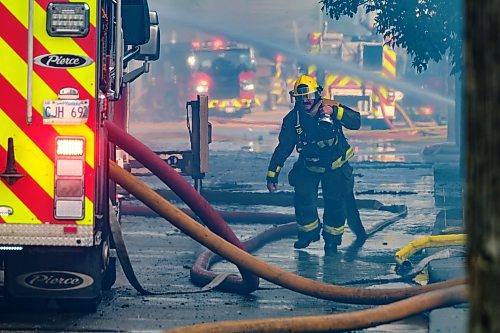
[55, 280]
[62, 61]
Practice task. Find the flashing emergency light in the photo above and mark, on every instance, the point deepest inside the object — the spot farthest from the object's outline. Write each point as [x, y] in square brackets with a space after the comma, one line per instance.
[217, 43]
[202, 87]
[67, 19]
[280, 58]
[69, 147]
[196, 44]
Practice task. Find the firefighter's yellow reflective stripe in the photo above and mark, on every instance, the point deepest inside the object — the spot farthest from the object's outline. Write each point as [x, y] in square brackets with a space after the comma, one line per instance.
[332, 230]
[340, 161]
[340, 113]
[298, 129]
[278, 70]
[11, 68]
[271, 174]
[84, 75]
[30, 157]
[278, 168]
[309, 227]
[20, 208]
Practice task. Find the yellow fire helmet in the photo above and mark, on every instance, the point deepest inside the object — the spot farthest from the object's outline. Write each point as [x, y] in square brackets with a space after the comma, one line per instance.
[306, 87]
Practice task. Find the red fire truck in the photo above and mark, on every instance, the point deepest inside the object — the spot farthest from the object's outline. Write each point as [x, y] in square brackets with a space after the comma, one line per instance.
[224, 71]
[63, 74]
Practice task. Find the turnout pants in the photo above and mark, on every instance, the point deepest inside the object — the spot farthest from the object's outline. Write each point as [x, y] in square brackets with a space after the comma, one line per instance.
[336, 186]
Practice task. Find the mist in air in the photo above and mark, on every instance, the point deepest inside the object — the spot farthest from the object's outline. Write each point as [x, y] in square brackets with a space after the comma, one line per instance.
[279, 26]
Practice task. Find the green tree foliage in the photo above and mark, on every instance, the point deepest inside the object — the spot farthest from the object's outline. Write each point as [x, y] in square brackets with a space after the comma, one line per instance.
[427, 29]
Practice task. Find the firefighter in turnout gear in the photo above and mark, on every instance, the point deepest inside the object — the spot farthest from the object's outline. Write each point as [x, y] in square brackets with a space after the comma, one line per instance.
[314, 128]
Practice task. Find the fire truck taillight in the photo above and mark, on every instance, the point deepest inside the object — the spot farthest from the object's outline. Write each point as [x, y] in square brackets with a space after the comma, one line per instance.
[67, 19]
[69, 194]
[70, 146]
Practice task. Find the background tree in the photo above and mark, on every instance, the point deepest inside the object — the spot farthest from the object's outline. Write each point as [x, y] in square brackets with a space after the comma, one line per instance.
[426, 29]
[429, 30]
[482, 213]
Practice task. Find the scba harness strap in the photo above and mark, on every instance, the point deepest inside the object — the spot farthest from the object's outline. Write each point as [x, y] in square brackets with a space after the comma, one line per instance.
[339, 162]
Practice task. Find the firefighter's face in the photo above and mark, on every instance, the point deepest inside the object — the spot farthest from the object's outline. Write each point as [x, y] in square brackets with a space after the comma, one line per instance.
[307, 105]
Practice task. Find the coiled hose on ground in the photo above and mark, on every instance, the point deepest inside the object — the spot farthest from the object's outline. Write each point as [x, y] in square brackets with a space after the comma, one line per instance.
[202, 276]
[258, 267]
[183, 189]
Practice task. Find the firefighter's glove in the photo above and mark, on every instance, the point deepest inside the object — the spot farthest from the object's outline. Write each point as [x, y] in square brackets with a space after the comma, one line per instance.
[272, 179]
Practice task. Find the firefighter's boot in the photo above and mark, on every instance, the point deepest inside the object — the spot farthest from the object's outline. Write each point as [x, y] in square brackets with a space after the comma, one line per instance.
[331, 243]
[306, 238]
[330, 248]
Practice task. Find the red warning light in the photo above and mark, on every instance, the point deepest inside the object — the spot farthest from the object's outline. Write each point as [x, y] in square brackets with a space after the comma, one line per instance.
[217, 43]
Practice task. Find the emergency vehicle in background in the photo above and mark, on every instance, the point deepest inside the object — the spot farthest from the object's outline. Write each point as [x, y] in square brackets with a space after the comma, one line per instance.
[283, 76]
[64, 72]
[225, 71]
[375, 102]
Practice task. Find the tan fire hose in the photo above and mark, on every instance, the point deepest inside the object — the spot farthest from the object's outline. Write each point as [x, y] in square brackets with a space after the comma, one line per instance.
[241, 258]
[427, 242]
[337, 322]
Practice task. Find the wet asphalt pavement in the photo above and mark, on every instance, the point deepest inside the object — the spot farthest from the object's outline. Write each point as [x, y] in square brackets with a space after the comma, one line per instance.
[390, 172]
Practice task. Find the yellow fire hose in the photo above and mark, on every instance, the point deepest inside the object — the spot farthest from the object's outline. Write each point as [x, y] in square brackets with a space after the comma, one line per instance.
[428, 241]
[241, 258]
[338, 322]
[404, 114]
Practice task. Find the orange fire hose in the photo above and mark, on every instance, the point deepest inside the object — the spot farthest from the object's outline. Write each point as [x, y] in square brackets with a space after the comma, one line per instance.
[242, 259]
[337, 322]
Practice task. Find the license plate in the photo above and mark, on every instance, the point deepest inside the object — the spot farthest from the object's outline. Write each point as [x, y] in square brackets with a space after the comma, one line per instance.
[66, 112]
